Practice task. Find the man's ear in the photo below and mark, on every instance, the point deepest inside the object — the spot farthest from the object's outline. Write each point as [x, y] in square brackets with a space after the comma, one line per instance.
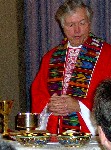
[104, 141]
[102, 136]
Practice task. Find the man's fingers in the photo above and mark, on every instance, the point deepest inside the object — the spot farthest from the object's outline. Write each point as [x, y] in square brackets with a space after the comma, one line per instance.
[55, 94]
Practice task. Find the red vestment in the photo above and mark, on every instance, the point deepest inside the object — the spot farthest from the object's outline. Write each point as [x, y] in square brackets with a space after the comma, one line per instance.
[40, 93]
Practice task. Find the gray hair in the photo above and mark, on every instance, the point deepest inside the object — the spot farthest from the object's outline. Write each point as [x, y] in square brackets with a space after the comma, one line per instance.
[70, 6]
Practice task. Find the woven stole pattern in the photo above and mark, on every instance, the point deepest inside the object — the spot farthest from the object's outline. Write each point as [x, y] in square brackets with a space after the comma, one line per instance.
[71, 58]
[71, 120]
[81, 74]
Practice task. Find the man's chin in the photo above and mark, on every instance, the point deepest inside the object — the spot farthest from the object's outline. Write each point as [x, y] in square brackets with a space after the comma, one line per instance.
[77, 42]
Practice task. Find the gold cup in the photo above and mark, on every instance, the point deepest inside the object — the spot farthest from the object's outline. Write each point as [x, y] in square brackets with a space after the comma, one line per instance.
[5, 109]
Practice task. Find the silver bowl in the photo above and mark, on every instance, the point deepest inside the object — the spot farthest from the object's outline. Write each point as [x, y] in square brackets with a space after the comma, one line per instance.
[27, 121]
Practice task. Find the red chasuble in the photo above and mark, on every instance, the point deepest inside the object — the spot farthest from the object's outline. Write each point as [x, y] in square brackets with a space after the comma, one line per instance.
[93, 65]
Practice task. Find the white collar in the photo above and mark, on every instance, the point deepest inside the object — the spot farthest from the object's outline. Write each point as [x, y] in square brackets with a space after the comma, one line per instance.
[69, 45]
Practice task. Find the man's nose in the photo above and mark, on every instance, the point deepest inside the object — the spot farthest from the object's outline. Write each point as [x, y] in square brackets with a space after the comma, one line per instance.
[76, 29]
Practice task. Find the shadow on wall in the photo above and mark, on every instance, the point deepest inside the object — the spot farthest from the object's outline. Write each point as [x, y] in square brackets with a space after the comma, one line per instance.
[21, 54]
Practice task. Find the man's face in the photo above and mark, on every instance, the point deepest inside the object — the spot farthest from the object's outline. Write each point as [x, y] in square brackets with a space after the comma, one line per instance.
[77, 27]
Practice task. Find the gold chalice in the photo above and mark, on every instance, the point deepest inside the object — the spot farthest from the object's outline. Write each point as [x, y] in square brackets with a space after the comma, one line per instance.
[5, 109]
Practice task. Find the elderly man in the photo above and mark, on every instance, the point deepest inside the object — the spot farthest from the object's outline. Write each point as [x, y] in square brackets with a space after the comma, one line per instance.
[63, 89]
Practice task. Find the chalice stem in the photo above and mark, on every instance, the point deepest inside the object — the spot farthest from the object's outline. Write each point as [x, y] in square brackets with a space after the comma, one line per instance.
[5, 130]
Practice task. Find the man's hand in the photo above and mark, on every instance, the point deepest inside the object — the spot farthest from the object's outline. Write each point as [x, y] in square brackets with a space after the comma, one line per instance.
[63, 105]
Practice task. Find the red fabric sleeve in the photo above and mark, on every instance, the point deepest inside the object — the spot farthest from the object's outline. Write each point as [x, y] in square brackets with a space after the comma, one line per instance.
[39, 91]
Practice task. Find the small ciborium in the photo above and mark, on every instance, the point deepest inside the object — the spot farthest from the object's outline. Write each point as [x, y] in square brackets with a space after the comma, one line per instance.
[27, 121]
[5, 109]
